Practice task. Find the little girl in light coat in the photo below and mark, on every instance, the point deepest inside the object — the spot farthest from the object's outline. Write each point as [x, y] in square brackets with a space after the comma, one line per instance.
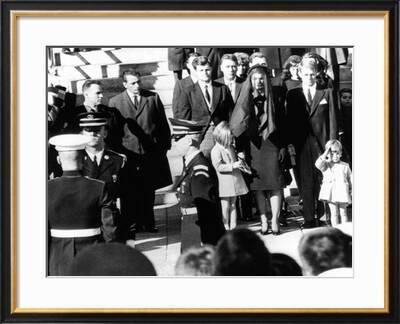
[336, 183]
[230, 180]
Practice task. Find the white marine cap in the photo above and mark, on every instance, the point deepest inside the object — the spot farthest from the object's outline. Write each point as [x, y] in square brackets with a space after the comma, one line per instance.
[69, 142]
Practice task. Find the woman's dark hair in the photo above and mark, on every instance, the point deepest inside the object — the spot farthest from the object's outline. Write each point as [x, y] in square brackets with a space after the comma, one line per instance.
[241, 252]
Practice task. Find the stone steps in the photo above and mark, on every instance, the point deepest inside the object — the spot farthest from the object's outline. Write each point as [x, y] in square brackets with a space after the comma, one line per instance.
[107, 56]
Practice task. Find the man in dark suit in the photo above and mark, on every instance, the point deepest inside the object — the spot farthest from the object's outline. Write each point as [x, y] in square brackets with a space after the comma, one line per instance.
[146, 141]
[104, 164]
[207, 102]
[184, 84]
[198, 182]
[79, 210]
[93, 96]
[311, 122]
[229, 68]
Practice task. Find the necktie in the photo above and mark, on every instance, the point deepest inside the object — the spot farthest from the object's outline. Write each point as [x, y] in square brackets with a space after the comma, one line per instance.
[207, 94]
[95, 170]
[136, 102]
[309, 97]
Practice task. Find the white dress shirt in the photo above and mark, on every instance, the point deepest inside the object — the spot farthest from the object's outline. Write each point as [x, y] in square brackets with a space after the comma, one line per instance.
[98, 155]
[312, 91]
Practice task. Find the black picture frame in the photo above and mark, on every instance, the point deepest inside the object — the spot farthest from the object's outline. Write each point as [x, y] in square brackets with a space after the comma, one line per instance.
[8, 316]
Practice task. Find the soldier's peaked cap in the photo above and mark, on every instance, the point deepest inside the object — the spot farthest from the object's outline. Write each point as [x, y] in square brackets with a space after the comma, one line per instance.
[182, 127]
[92, 119]
[69, 142]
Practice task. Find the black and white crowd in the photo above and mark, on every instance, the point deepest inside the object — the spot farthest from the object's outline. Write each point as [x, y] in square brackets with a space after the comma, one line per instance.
[241, 122]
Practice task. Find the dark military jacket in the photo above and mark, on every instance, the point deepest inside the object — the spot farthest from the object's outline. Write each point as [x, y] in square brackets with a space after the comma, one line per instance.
[76, 202]
[199, 181]
[109, 170]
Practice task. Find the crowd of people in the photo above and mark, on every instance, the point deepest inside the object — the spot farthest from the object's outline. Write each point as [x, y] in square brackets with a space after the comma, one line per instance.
[323, 252]
[239, 122]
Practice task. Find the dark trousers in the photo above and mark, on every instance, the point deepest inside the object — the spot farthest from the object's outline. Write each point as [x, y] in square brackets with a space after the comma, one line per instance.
[137, 198]
[210, 221]
[62, 252]
[309, 178]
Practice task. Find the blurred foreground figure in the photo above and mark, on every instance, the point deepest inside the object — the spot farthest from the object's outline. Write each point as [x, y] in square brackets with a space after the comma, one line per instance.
[241, 252]
[324, 249]
[196, 261]
[284, 265]
[80, 209]
[113, 259]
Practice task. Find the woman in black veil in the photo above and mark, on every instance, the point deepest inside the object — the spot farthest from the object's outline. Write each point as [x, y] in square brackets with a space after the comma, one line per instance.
[256, 122]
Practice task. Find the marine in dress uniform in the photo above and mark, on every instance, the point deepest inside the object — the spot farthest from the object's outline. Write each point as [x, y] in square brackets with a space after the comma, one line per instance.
[198, 182]
[80, 209]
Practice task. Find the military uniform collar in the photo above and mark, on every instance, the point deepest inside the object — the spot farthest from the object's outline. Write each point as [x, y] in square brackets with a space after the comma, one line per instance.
[72, 173]
[99, 155]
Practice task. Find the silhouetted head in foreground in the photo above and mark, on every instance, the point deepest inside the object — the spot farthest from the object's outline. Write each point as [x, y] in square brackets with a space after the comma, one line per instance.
[111, 259]
[196, 261]
[324, 249]
[284, 265]
[241, 252]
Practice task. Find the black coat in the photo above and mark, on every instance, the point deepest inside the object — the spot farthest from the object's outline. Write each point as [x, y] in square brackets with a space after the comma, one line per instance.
[77, 202]
[319, 120]
[147, 136]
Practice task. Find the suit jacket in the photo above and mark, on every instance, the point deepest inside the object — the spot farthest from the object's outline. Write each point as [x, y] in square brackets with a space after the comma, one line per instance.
[193, 106]
[147, 136]
[108, 171]
[180, 86]
[319, 120]
[238, 85]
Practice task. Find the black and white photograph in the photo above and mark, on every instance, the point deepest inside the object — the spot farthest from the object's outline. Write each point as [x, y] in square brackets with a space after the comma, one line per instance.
[199, 161]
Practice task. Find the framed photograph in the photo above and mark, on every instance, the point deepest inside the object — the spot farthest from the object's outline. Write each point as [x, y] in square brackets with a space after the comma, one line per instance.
[58, 50]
